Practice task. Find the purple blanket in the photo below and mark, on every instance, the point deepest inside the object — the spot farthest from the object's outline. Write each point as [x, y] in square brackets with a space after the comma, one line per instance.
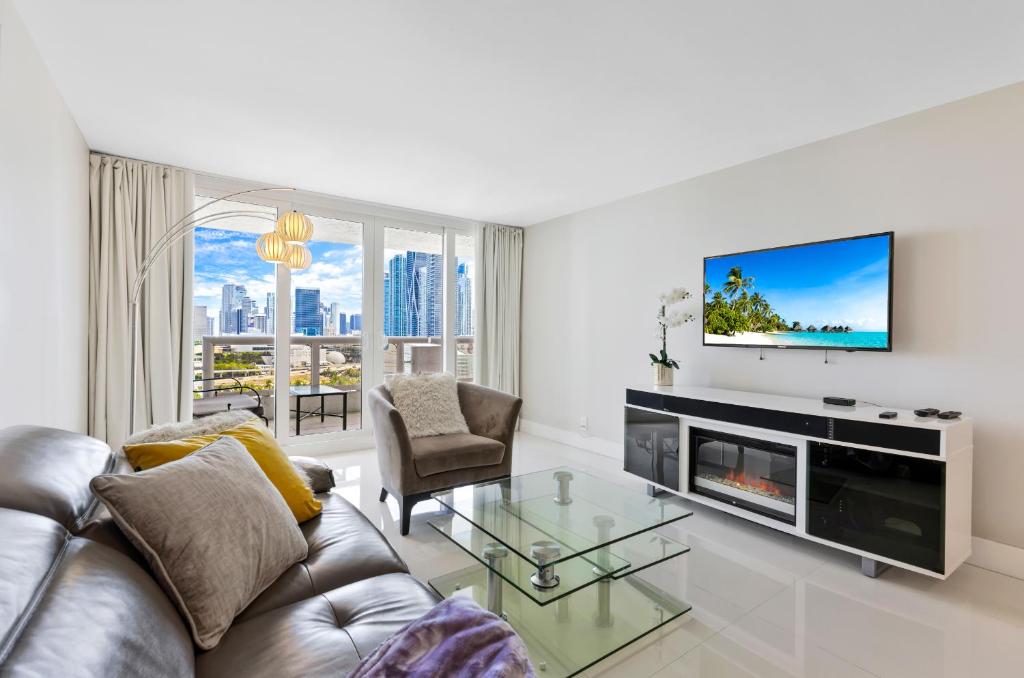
[456, 639]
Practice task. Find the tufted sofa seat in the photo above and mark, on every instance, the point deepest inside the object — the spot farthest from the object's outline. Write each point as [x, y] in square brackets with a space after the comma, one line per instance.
[76, 599]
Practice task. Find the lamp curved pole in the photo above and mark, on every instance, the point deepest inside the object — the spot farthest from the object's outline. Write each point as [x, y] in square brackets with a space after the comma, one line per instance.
[165, 243]
[182, 227]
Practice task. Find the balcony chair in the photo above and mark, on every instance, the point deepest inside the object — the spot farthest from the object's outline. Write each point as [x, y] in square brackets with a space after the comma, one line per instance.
[226, 398]
[412, 469]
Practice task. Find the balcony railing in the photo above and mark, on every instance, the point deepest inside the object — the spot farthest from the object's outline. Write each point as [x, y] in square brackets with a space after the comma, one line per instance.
[421, 357]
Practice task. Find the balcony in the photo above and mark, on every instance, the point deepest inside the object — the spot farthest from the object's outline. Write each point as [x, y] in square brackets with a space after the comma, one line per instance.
[250, 359]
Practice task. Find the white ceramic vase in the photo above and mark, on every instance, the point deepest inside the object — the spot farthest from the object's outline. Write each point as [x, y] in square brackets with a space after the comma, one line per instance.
[662, 375]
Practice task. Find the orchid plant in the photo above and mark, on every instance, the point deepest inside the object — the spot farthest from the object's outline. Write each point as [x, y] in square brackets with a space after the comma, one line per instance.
[667, 319]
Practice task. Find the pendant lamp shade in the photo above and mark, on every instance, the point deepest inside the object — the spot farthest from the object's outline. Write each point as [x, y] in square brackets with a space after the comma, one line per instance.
[295, 228]
[272, 248]
[299, 257]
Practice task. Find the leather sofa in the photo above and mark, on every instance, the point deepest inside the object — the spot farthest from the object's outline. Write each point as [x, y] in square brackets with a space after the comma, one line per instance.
[76, 599]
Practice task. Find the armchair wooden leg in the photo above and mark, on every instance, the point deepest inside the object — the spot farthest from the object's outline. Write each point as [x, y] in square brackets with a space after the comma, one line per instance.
[383, 494]
[405, 505]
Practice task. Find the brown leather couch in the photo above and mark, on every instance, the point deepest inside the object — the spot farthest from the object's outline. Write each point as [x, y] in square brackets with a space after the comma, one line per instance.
[76, 599]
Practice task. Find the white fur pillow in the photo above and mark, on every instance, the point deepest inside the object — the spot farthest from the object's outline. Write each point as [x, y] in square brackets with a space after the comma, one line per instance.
[215, 423]
[429, 404]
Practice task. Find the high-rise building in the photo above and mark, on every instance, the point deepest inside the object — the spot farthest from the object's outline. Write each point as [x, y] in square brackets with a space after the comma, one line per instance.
[199, 323]
[333, 319]
[342, 324]
[463, 302]
[396, 318]
[308, 320]
[356, 323]
[209, 325]
[414, 295]
[259, 323]
[248, 308]
[269, 310]
[433, 307]
[230, 302]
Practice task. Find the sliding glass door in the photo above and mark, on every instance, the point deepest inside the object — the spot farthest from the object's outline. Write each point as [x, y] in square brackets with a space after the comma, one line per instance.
[414, 301]
[381, 297]
[325, 353]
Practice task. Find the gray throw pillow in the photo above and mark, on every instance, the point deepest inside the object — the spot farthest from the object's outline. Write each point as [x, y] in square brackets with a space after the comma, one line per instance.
[428, 403]
[214, 530]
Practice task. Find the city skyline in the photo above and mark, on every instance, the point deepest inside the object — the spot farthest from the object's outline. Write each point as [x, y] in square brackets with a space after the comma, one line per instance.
[223, 256]
[327, 297]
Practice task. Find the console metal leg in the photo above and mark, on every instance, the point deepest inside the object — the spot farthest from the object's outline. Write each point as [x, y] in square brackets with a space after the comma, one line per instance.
[654, 491]
[494, 553]
[872, 568]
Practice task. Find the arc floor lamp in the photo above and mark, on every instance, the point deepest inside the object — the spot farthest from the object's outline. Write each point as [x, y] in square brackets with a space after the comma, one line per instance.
[286, 244]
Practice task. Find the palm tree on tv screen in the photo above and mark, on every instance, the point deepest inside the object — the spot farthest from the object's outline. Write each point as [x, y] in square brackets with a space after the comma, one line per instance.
[736, 283]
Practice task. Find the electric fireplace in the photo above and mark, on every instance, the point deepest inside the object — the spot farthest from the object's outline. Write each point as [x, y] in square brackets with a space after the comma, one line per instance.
[756, 475]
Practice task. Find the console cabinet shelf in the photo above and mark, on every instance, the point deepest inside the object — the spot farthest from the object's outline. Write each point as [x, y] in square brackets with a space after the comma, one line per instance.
[894, 491]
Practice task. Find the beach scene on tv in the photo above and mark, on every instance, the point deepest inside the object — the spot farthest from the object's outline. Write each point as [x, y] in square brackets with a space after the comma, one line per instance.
[828, 295]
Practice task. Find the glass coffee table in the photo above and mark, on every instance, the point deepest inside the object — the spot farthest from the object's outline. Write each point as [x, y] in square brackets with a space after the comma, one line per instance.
[558, 552]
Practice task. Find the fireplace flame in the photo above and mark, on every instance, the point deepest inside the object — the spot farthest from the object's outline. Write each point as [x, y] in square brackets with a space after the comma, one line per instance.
[751, 481]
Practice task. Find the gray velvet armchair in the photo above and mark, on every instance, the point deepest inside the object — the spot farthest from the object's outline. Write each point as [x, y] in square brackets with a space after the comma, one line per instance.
[411, 469]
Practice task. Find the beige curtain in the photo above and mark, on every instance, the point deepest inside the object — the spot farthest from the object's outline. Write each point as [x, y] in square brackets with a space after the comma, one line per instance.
[501, 270]
[132, 204]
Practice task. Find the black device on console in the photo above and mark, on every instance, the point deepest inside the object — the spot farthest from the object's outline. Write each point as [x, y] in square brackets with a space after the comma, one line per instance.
[845, 402]
[888, 415]
[949, 414]
[926, 412]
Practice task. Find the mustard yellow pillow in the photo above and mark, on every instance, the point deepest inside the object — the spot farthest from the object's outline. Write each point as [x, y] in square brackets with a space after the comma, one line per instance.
[258, 441]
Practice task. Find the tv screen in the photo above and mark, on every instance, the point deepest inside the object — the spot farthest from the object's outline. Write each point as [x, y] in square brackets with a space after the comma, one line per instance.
[825, 295]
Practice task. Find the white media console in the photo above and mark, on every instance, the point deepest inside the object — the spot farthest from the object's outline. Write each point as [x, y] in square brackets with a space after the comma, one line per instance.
[894, 491]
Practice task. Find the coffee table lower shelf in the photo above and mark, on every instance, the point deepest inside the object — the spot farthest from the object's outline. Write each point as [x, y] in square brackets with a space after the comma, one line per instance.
[579, 630]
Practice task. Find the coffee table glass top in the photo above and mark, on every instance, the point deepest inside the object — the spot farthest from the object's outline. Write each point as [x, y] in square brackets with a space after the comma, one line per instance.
[577, 511]
[615, 560]
[579, 630]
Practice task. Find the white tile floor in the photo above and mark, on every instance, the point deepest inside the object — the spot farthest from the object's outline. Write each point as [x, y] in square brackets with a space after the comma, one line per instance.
[764, 603]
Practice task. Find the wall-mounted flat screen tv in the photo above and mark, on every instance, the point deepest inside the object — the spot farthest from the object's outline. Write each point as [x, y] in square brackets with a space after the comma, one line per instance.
[835, 294]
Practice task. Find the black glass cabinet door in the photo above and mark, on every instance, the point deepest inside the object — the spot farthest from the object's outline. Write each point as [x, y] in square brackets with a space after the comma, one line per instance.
[652, 447]
[886, 504]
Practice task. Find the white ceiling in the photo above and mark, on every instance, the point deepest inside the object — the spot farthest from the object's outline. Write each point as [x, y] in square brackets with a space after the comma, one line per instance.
[513, 112]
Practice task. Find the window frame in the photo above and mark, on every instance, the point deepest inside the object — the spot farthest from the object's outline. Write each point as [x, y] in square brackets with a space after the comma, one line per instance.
[375, 218]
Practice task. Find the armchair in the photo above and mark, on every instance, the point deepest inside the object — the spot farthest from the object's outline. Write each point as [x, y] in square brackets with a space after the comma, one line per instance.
[412, 469]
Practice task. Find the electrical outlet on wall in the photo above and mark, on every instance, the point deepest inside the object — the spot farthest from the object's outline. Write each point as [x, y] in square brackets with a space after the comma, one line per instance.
[584, 425]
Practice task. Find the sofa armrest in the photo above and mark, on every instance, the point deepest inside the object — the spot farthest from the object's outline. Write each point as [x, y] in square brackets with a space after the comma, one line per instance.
[320, 475]
[489, 413]
[394, 448]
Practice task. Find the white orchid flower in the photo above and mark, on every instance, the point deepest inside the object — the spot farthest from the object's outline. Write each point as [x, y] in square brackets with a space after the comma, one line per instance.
[674, 296]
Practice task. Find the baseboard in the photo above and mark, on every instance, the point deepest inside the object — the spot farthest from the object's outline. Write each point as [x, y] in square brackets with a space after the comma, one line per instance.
[1002, 558]
[597, 445]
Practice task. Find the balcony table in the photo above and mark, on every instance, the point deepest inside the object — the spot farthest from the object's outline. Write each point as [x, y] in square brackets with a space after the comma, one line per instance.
[322, 392]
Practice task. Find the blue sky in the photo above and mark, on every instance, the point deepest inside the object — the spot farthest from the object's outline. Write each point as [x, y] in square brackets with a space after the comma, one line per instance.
[841, 283]
[224, 256]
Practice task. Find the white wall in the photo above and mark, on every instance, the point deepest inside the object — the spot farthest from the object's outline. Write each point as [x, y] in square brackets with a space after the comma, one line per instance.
[44, 222]
[949, 181]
